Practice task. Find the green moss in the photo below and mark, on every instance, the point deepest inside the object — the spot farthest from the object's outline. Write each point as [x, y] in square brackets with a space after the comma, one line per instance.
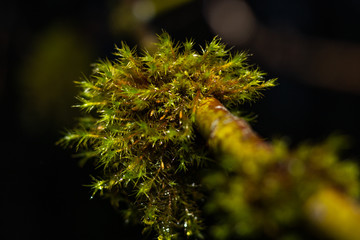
[142, 113]
[139, 120]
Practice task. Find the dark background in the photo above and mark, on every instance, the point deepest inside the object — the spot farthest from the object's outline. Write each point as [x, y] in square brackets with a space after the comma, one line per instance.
[312, 47]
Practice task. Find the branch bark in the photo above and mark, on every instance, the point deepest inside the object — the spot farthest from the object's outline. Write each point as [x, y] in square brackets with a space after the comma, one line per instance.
[328, 209]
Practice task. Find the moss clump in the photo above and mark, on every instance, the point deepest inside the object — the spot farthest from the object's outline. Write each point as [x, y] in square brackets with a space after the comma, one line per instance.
[138, 126]
[141, 117]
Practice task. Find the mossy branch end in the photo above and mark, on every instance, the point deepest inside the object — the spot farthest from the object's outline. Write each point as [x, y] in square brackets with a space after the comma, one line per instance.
[139, 125]
[142, 113]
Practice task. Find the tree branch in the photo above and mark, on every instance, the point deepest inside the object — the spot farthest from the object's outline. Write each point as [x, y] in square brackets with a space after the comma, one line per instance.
[328, 209]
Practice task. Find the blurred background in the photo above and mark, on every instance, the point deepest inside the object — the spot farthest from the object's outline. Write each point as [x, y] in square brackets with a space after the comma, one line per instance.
[312, 47]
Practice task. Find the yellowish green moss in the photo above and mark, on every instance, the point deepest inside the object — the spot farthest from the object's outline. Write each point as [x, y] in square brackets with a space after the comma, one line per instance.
[138, 125]
[142, 116]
